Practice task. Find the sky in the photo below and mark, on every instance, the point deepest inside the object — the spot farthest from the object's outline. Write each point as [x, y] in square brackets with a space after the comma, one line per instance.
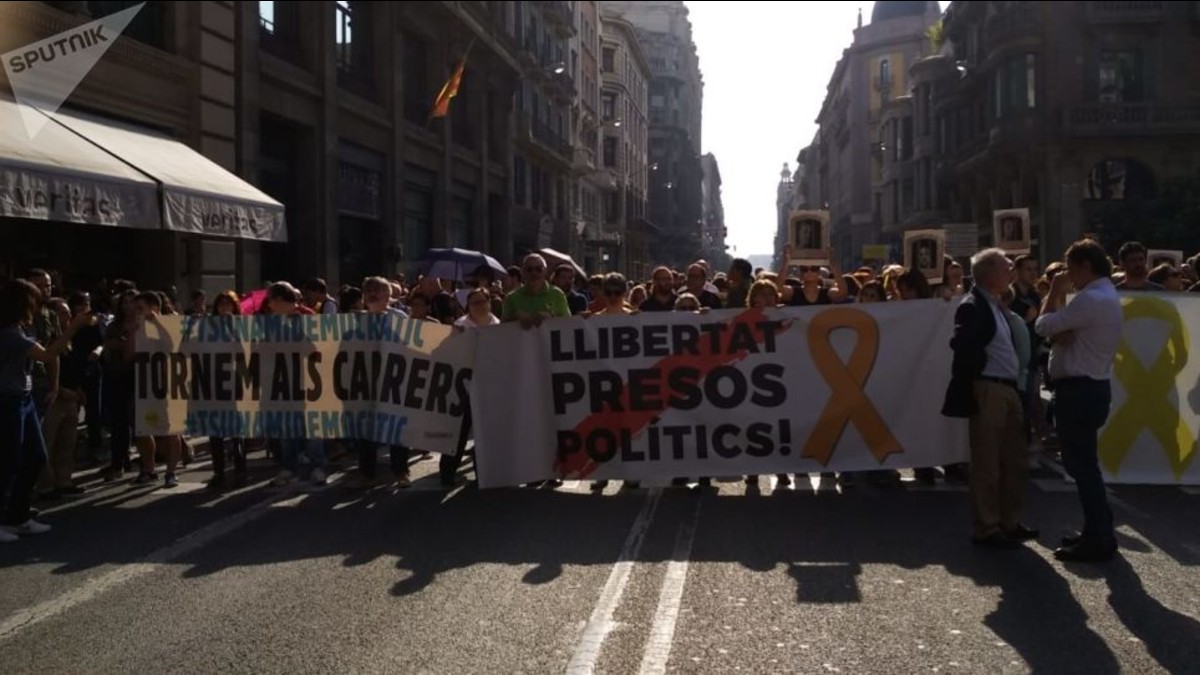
[765, 68]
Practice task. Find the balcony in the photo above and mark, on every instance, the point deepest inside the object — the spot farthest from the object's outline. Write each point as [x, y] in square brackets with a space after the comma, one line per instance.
[548, 137]
[561, 18]
[1017, 21]
[562, 87]
[1125, 11]
[529, 52]
[585, 158]
[1131, 119]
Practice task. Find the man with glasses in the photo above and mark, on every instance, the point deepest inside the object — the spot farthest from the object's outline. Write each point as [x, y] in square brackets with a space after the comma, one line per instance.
[535, 300]
[697, 285]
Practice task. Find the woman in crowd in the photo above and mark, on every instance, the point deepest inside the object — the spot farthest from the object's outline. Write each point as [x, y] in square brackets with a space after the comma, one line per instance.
[225, 306]
[637, 295]
[479, 311]
[22, 449]
[284, 300]
[418, 307]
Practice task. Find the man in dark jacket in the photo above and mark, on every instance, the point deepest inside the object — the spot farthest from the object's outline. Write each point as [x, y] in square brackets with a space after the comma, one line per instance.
[983, 388]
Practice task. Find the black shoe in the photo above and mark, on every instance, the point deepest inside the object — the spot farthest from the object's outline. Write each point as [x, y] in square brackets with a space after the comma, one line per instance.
[598, 486]
[1086, 551]
[1072, 539]
[927, 476]
[679, 482]
[705, 482]
[71, 491]
[631, 485]
[751, 480]
[783, 480]
[996, 540]
[1021, 533]
[846, 480]
[216, 483]
[50, 496]
[34, 513]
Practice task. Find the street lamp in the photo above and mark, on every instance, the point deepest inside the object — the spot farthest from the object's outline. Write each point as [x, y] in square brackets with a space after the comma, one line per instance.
[558, 68]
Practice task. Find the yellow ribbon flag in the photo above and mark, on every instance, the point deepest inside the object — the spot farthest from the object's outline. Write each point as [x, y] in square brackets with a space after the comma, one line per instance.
[1147, 392]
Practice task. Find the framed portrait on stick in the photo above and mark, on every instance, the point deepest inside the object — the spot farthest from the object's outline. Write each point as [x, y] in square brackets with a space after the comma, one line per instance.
[1173, 258]
[923, 251]
[808, 235]
[1010, 229]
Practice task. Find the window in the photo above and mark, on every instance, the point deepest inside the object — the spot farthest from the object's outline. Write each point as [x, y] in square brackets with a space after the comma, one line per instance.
[535, 184]
[612, 207]
[906, 138]
[148, 25]
[1121, 78]
[1030, 81]
[279, 29]
[658, 101]
[885, 79]
[607, 57]
[610, 152]
[418, 99]
[352, 45]
[608, 106]
[906, 195]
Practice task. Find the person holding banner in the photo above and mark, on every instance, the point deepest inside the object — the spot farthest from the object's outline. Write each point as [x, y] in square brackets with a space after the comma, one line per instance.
[226, 305]
[1084, 335]
[479, 310]
[983, 388]
[377, 301]
[22, 449]
[535, 300]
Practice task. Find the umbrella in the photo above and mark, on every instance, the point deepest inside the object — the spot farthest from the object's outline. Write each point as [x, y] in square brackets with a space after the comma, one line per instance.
[456, 263]
[554, 259]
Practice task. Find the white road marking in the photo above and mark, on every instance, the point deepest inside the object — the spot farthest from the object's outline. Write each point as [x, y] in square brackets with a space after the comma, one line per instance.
[93, 588]
[587, 652]
[1194, 491]
[662, 629]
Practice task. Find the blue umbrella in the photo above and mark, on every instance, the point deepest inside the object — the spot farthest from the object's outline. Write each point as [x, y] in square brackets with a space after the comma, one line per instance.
[456, 263]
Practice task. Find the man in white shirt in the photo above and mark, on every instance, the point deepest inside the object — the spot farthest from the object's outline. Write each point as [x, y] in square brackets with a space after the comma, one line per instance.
[1084, 338]
[983, 388]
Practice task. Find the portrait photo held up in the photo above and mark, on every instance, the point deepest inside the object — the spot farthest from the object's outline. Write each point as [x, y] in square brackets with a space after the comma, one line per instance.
[808, 234]
[924, 251]
[1011, 232]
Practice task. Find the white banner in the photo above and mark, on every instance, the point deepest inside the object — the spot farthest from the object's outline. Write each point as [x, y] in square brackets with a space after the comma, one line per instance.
[197, 213]
[840, 388]
[385, 378]
[1155, 417]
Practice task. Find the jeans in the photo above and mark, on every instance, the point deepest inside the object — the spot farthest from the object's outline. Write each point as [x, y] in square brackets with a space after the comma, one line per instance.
[1081, 407]
[60, 431]
[22, 455]
[92, 387]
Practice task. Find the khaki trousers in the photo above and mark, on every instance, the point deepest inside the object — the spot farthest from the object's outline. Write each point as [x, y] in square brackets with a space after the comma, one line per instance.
[61, 432]
[999, 448]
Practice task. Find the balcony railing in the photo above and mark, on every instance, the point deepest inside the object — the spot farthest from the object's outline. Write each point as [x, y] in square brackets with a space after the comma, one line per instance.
[550, 138]
[1010, 23]
[1124, 11]
[1132, 118]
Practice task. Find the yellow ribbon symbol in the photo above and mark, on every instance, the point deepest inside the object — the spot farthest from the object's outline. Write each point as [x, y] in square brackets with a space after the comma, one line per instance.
[847, 400]
[1147, 404]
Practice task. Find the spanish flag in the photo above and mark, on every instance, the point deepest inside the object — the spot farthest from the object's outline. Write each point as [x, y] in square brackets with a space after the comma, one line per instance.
[441, 106]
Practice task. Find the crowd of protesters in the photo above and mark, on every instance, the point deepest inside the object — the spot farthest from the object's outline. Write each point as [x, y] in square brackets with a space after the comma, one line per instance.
[67, 356]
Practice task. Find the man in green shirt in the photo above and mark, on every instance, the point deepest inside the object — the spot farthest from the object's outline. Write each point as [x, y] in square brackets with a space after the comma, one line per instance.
[536, 299]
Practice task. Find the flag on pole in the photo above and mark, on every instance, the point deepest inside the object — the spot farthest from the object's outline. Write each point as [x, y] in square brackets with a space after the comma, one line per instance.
[441, 106]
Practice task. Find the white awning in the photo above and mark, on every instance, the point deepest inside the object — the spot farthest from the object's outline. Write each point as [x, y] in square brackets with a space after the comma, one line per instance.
[59, 176]
[198, 195]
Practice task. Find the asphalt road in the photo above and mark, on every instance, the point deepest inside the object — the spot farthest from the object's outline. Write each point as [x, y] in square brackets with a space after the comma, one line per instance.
[536, 581]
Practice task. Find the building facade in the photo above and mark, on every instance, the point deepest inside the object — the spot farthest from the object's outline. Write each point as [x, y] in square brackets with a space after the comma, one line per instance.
[713, 215]
[170, 73]
[1079, 111]
[590, 180]
[625, 77]
[675, 98]
[871, 74]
